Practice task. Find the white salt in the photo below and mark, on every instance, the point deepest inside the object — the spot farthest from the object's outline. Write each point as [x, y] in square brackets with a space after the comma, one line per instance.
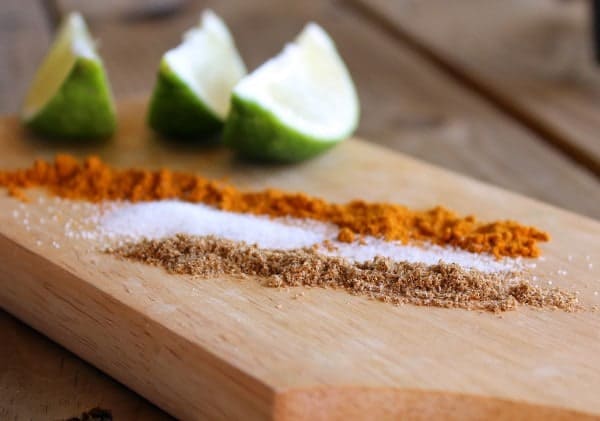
[162, 219]
[428, 254]
[167, 218]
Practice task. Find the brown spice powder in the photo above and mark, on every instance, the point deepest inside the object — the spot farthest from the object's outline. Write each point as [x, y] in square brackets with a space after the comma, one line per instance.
[96, 181]
[441, 285]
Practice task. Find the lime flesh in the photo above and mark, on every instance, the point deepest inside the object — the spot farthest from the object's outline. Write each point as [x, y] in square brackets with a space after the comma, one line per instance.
[70, 95]
[296, 105]
[195, 80]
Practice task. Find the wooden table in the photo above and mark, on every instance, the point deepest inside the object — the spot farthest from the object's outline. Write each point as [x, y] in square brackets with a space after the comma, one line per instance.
[510, 101]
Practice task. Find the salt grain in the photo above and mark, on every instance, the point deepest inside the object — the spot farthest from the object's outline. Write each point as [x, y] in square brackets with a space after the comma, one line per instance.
[161, 219]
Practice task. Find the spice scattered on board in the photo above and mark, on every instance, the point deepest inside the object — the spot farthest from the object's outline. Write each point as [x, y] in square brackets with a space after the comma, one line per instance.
[440, 285]
[96, 181]
[384, 251]
[94, 414]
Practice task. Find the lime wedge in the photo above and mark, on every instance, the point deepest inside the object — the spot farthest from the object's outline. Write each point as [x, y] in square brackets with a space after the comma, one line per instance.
[195, 80]
[70, 96]
[295, 105]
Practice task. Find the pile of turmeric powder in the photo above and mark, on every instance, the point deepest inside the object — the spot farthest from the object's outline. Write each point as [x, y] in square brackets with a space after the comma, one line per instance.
[95, 181]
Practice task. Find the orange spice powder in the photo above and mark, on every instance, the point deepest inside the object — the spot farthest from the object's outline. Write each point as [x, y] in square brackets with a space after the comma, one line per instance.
[96, 181]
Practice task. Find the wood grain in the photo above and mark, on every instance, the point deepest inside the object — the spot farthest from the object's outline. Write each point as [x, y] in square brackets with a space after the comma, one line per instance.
[407, 104]
[224, 348]
[534, 58]
[40, 380]
[24, 37]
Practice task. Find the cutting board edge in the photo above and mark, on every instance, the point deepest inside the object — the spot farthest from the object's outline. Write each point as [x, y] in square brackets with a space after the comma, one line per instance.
[276, 397]
[340, 402]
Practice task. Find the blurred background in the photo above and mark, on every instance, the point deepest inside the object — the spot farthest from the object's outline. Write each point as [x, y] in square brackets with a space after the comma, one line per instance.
[507, 92]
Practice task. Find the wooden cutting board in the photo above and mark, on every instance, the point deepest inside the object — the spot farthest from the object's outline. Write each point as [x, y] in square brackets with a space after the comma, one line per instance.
[225, 348]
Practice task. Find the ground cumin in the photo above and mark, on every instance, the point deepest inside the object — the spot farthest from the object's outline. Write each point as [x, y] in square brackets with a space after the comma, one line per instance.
[96, 181]
[441, 285]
